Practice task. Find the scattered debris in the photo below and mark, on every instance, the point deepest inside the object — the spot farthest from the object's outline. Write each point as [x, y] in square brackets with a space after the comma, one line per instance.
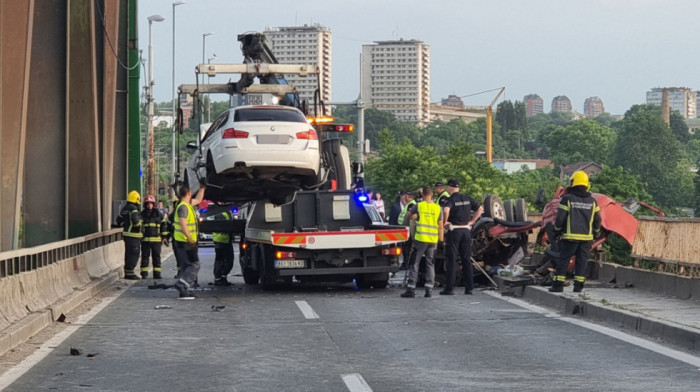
[61, 318]
[217, 308]
[92, 355]
[159, 286]
[75, 351]
[159, 307]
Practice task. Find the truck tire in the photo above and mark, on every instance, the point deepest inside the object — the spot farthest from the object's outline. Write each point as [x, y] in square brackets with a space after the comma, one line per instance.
[378, 280]
[493, 207]
[251, 276]
[520, 210]
[509, 206]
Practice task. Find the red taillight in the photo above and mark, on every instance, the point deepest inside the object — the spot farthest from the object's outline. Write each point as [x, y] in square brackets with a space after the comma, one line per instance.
[233, 134]
[343, 127]
[391, 251]
[308, 135]
[244, 245]
[285, 255]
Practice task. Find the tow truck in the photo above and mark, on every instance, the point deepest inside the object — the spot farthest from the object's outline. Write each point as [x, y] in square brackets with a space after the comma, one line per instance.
[328, 232]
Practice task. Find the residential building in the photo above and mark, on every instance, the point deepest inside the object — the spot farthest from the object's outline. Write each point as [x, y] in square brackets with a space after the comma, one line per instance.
[395, 76]
[561, 103]
[593, 107]
[533, 104]
[590, 168]
[304, 45]
[682, 99]
[453, 101]
[514, 165]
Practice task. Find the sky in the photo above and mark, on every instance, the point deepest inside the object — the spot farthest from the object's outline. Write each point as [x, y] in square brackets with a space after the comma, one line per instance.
[614, 49]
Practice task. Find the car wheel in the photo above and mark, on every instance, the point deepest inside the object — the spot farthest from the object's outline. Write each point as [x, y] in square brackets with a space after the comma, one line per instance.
[510, 210]
[520, 210]
[493, 207]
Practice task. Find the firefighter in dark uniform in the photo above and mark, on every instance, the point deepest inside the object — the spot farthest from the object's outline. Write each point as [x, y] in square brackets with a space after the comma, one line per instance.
[155, 232]
[578, 223]
[130, 219]
[223, 248]
[460, 214]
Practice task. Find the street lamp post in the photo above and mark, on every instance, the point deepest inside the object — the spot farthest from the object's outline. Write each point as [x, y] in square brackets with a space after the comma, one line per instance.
[172, 155]
[209, 105]
[204, 46]
[151, 177]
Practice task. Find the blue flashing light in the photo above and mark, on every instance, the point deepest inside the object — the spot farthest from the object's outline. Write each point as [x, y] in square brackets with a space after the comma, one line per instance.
[234, 210]
[363, 198]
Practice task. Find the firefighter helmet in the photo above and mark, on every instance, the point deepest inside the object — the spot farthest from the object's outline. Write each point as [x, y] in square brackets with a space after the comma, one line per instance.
[134, 197]
[150, 199]
[580, 178]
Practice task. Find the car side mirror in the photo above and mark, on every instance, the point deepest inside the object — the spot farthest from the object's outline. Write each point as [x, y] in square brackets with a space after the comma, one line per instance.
[191, 146]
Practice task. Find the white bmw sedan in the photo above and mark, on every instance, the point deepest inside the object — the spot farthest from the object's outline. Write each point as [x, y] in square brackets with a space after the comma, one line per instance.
[257, 152]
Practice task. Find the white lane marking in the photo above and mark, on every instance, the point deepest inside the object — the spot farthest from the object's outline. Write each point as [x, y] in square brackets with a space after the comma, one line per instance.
[356, 383]
[45, 349]
[639, 342]
[306, 310]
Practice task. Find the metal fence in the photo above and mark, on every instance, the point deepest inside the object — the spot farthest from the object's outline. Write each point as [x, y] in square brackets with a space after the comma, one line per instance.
[28, 259]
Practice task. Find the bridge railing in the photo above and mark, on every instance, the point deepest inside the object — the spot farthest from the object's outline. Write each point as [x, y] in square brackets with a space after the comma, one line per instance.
[28, 259]
[669, 244]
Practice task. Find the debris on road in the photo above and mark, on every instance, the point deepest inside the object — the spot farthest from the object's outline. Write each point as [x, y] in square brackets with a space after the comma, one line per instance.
[217, 308]
[61, 318]
[159, 286]
[75, 351]
[159, 307]
[92, 355]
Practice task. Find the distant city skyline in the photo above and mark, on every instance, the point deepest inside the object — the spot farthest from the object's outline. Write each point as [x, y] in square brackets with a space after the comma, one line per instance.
[572, 48]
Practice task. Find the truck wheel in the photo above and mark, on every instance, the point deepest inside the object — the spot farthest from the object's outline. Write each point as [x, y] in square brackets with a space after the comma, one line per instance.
[493, 207]
[520, 210]
[251, 276]
[378, 280]
[510, 210]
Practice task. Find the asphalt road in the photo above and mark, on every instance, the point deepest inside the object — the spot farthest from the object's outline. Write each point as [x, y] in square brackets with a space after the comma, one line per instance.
[338, 339]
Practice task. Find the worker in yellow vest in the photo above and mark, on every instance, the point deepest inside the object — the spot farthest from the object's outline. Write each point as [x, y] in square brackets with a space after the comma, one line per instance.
[185, 240]
[223, 248]
[429, 231]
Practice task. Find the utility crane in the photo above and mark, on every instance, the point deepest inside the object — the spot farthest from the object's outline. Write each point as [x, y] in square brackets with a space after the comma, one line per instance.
[489, 121]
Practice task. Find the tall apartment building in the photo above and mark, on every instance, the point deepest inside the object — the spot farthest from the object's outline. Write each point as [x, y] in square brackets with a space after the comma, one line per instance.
[682, 99]
[593, 107]
[561, 103]
[396, 77]
[533, 104]
[304, 45]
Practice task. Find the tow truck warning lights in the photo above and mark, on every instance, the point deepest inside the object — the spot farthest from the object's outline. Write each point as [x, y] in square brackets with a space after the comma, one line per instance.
[325, 124]
[396, 251]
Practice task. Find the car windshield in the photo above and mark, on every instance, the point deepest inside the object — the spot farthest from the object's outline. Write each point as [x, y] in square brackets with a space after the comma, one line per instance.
[268, 114]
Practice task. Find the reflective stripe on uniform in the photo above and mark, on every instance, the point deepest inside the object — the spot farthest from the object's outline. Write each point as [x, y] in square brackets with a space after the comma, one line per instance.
[222, 238]
[129, 231]
[579, 278]
[427, 226]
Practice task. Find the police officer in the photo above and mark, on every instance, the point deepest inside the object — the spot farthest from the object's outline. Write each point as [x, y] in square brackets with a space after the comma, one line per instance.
[441, 193]
[429, 230]
[460, 213]
[130, 219]
[578, 223]
[185, 240]
[223, 248]
[155, 232]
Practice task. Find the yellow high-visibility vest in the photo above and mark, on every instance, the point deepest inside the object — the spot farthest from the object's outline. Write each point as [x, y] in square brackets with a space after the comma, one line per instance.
[179, 235]
[427, 224]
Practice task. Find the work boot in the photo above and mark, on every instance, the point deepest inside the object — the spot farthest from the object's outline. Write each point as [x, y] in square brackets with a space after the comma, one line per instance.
[185, 293]
[131, 277]
[156, 275]
[144, 275]
[557, 287]
[467, 291]
[221, 282]
[447, 292]
[578, 287]
[409, 293]
[428, 293]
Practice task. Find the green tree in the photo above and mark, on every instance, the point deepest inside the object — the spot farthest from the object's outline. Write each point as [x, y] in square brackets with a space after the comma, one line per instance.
[583, 140]
[619, 184]
[649, 150]
[679, 127]
[696, 182]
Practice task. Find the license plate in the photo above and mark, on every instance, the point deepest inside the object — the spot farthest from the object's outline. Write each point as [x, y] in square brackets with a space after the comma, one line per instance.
[273, 139]
[290, 263]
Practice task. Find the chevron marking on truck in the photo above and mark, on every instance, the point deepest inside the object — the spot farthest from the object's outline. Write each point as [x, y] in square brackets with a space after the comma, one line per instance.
[289, 239]
[391, 236]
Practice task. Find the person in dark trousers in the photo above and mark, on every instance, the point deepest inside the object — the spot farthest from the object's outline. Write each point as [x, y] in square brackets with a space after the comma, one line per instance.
[578, 223]
[409, 203]
[185, 236]
[155, 232]
[130, 219]
[171, 231]
[460, 213]
[223, 248]
[429, 230]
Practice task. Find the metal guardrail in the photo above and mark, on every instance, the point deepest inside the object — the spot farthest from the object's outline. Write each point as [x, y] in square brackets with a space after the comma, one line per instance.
[14, 262]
